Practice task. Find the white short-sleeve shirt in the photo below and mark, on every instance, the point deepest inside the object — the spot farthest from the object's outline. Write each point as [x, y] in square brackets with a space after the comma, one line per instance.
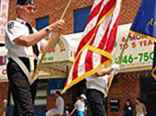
[98, 83]
[15, 29]
[80, 105]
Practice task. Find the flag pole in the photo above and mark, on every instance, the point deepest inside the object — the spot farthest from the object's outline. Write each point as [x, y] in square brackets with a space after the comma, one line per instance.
[120, 59]
[34, 77]
[65, 10]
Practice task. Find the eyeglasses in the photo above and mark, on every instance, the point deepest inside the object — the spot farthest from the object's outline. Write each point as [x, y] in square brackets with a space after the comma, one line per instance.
[31, 7]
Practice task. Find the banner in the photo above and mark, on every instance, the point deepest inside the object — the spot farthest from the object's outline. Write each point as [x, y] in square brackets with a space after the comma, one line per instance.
[144, 25]
[4, 6]
[145, 20]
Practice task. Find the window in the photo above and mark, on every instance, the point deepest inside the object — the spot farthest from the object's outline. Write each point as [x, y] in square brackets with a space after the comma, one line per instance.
[114, 105]
[80, 18]
[42, 22]
[55, 84]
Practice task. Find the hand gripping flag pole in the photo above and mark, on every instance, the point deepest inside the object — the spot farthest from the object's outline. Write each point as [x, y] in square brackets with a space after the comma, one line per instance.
[42, 55]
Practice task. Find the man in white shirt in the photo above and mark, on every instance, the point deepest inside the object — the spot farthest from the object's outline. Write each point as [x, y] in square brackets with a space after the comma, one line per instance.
[24, 43]
[97, 90]
[59, 106]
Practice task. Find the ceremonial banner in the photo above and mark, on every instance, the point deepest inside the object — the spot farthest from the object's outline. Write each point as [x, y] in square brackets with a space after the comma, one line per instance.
[98, 41]
[145, 23]
[4, 5]
[145, 20]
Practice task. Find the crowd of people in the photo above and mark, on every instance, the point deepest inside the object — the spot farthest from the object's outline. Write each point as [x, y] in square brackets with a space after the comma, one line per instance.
[81, 107]
[136, 109]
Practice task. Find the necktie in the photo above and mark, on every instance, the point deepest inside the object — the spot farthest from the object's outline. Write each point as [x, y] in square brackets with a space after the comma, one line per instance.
[35, 47]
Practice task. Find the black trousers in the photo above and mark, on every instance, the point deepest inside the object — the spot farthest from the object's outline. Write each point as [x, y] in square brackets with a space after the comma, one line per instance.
[96, 103]
[23, 93]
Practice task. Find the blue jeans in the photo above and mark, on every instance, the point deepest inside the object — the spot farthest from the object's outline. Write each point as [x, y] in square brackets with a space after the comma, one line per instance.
[79, 113]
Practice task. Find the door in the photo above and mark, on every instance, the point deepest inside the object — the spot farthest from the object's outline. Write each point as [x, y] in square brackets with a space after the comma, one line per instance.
[148, 92]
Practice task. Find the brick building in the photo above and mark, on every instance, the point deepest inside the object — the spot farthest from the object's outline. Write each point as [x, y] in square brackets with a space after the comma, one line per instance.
[126, 85]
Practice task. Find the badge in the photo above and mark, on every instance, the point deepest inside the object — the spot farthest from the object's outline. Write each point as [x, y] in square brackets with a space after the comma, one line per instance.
[10, 25]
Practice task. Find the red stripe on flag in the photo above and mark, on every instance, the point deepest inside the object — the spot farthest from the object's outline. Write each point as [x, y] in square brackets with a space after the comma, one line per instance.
[85, 39]
[112, 36]
[103, 40]
[95, 11]
[111, 40]
[107, 8]
[75, 69]
[89, 57]
[103, 43]
[89, 61]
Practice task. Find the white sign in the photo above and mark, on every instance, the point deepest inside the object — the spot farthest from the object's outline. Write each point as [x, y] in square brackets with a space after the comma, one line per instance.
[4, 5]
[138, 54]
[64, 50]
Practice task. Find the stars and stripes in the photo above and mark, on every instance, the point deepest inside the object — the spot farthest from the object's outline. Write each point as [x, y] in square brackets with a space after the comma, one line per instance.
[95, 48]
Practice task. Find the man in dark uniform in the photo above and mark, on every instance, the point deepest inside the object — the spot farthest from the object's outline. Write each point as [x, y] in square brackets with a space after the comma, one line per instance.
[24, 43]
[97, 89]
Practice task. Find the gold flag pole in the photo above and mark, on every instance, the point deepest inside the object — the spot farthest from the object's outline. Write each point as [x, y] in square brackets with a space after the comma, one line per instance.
[51, 43]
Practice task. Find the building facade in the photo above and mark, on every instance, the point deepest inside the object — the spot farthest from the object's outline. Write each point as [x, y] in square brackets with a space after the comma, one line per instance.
[127, 85]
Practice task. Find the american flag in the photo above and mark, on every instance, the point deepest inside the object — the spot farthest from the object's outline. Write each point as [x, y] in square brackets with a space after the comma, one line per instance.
[95, 48]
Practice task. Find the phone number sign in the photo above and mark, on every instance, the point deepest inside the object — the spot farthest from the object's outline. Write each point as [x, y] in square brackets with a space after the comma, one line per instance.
[138, 50]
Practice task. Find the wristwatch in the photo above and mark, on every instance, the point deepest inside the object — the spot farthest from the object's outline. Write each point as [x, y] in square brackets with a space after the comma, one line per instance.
[47, 30]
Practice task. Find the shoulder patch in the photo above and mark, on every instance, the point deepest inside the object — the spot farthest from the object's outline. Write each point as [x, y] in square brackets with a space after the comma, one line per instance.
[10, 25]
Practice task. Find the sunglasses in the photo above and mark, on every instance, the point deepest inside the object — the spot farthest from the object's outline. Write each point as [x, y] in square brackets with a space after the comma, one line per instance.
[31, 7]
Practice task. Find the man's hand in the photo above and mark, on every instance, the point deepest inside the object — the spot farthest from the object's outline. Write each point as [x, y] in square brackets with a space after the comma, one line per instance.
[103, 71]
[57, 26]
[113, 69]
